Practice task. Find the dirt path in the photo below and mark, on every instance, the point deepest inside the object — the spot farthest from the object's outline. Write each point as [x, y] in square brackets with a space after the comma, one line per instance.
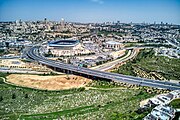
[116, 88]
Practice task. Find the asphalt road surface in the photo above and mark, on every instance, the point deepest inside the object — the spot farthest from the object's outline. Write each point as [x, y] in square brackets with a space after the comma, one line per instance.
[33, 53]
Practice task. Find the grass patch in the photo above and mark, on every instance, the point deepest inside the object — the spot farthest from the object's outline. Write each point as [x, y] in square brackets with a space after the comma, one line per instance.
[29, 104]
[103, 84]
[3, 74]
[146, 62]
[175, 103]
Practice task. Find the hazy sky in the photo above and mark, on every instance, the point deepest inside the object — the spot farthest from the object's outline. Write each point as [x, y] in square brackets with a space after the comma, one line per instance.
[92, 10]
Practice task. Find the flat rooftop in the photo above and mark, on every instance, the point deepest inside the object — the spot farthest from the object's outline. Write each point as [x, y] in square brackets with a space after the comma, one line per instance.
[113, 42]
[61, 43]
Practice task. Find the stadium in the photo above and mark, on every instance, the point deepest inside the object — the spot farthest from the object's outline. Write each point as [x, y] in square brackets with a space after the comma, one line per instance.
[63, 44]
[66, 47]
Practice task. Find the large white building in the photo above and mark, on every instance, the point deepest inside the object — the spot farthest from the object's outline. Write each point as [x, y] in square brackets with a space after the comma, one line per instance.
[114, 45]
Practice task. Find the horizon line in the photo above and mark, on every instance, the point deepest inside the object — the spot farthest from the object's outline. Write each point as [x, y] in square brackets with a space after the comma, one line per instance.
[114, 21]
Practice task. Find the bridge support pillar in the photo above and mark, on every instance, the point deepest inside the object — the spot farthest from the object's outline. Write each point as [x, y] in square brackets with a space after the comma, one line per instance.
[54, 69]
[88, 76]
[67, 71]
[94, 77]
[70, 72]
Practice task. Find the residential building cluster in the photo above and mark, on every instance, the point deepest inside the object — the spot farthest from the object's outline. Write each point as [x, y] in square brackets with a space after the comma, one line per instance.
[162, 110]
[169, 52]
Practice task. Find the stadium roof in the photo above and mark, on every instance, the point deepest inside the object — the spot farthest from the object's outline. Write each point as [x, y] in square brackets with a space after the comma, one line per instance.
[63, 43]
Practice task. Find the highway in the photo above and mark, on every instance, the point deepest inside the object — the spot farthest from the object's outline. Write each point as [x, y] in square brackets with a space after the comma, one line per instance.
[112, 64]
[33, 53]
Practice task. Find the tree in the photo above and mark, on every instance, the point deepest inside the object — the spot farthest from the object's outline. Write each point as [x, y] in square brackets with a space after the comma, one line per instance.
[13, 96]
[26, 95]
[7, 44]
[1, 98]
[99, 106]
[84, 65]
[67, 77]
[81, 89]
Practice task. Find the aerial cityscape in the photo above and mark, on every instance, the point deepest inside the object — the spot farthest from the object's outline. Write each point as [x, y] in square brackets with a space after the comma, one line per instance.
[89, 60]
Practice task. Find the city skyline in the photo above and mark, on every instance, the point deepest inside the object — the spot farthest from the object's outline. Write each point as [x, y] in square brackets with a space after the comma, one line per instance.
[92, 10]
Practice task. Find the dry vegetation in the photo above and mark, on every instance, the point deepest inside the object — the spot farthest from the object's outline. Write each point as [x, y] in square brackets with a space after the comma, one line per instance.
[58, 82]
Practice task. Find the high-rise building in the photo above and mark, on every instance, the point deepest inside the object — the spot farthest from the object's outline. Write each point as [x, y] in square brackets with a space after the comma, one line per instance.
[45, 20]
[62, 22]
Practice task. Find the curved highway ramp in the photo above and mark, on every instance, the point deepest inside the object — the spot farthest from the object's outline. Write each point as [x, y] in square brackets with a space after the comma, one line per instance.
[33, 53]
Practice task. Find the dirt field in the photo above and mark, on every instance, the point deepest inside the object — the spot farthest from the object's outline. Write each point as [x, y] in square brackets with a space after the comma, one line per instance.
[58, 82]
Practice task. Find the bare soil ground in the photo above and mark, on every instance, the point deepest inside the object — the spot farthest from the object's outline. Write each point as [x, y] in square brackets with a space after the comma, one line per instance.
[58, 82]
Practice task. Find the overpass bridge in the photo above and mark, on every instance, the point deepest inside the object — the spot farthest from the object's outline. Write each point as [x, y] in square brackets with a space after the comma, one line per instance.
[33, 53]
